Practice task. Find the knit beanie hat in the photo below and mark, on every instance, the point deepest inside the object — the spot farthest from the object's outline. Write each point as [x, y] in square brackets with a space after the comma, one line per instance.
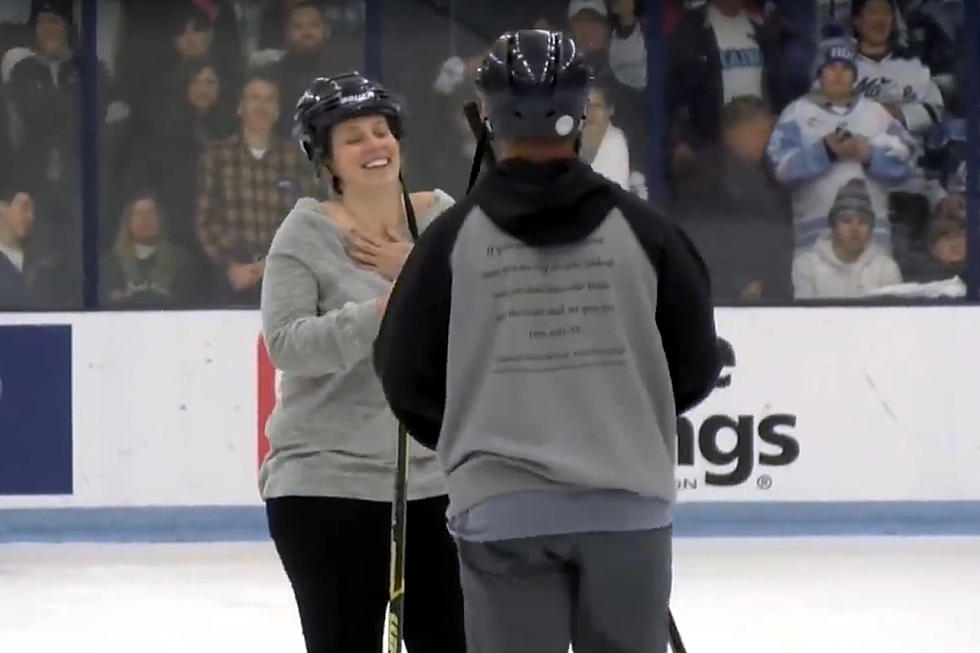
[853, 197]
[829, 51]
[61, 8]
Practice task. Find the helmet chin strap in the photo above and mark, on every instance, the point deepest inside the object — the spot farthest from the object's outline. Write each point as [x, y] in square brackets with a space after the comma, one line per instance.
[413, 227]
[481, 131]
[482, 147]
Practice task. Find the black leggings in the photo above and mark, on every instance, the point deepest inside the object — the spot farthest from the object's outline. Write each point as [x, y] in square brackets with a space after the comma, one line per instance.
[336, 554]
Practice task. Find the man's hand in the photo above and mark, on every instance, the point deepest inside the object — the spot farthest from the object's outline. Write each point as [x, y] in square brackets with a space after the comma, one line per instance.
[857, 149]
[835, 143]
[245, 275]
[384, 255]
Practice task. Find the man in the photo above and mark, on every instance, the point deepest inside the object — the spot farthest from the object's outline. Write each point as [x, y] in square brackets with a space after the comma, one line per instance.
[249, 183]
[720, 51]
[736, 213]
[845, 263]
[45, 92]
[832, 135]
[543, 336]
[31, 276]
[306, 56]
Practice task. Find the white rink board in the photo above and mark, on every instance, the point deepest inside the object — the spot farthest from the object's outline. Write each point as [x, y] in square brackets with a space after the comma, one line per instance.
[884, 401]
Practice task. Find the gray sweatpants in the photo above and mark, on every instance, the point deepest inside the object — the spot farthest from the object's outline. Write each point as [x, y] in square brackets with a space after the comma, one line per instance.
[603, 592]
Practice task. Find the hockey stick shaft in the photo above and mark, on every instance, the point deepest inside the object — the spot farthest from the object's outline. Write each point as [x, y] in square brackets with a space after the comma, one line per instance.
[399, 504]
[676, 643]
[399, 522]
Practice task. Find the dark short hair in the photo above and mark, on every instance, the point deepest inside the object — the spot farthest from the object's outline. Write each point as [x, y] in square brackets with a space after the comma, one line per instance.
[605, 85]
[306, 4]
[259, 74]
[742, 109]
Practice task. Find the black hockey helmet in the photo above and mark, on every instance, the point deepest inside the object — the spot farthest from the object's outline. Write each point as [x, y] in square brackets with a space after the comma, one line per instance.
[534, 84]
[331, 100]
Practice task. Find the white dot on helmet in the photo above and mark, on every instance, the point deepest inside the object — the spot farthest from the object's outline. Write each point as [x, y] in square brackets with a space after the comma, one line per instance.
[565, 125]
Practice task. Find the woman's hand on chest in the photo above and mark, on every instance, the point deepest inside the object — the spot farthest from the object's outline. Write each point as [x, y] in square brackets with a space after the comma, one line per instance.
[383, 255]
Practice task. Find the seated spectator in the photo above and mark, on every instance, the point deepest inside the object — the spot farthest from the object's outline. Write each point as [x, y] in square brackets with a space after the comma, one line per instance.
[943, 252]
[273, 24]
[735, 211]
[200, 111]
[306, 57]
[31, 275]
[845, 263]
[248, 184]
[832, 135]
[145, 269]
[603, 144]
[720, 51]
[159, 35]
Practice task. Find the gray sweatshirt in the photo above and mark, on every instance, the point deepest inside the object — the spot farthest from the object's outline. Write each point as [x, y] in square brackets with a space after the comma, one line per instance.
[544, 335]
[331, 432]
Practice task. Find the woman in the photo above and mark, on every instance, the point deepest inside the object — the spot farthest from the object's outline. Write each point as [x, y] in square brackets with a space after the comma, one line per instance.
[328, 478]
[194, 108]
[145, 269]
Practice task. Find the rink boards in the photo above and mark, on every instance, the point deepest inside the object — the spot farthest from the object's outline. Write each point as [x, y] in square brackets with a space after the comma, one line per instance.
[826, 421]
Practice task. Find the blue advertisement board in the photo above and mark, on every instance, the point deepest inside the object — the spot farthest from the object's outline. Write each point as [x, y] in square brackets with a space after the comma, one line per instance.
[35, 410]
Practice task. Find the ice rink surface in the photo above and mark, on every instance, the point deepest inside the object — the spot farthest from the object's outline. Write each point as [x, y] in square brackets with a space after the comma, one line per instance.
[776, 595]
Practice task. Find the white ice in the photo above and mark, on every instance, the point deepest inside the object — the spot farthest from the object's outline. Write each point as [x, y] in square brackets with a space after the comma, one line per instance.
[793, 595]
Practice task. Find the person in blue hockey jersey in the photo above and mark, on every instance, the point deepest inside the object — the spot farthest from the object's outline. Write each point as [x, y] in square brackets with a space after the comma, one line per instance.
[543, 336]
[888, 73]
[833, 135]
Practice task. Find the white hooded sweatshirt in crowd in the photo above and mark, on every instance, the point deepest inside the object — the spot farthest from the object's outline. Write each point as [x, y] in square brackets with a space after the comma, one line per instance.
[819, 274]
[612, 159]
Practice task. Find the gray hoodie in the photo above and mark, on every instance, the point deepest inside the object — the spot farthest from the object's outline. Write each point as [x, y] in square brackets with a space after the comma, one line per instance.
[331, 432]
[543, 336]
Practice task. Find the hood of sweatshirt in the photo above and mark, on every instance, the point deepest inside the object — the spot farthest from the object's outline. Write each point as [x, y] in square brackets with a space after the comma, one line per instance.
[824, 249]
[553, 203]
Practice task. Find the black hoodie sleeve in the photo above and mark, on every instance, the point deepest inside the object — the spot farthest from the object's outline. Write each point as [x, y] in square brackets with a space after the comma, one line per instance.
[685, 314]
[411, 350]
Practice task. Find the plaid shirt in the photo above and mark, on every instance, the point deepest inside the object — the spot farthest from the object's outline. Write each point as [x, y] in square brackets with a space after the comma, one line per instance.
[242, 200]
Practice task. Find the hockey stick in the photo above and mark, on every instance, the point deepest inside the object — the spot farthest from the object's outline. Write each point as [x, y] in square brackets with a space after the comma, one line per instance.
[676, 643]
[399, 507]
[481, 131]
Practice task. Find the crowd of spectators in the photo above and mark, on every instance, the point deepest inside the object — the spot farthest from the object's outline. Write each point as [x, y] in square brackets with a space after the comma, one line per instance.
[813, 149]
